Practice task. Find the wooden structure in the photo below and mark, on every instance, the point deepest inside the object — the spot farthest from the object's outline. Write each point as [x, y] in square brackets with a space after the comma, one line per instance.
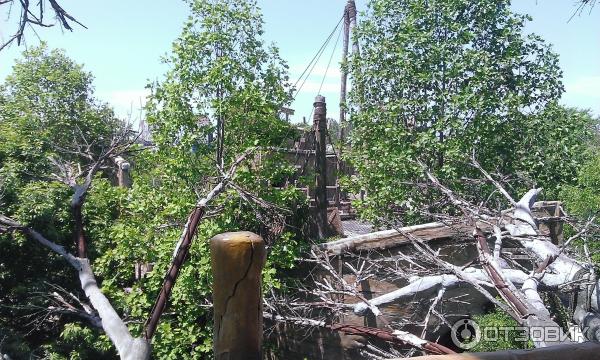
[313, 151]
[301, 153]
[286, 112]
[453, 241]
[549, 211]
[237, 260]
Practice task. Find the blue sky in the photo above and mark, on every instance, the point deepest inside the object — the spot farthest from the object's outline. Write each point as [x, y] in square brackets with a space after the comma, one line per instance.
[125, 40]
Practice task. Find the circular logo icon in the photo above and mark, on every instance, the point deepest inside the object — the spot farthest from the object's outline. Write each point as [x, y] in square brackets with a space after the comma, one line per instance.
[465, 334]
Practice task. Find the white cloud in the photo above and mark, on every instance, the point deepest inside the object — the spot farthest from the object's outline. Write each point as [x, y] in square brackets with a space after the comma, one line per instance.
[319, 71]
[127, 103]
[312, 87]
[588, 86]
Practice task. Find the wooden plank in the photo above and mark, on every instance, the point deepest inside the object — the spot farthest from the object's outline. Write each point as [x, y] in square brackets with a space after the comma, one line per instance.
[390, 238]
[583, 351]
[428, 232]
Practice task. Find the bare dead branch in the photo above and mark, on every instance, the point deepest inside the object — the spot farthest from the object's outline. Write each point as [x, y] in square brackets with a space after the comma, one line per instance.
[398, 337]
[32, 16]
[127, 346]
[183, 245]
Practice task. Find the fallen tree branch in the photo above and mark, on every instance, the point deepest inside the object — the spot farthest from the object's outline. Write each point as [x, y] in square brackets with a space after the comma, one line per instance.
[128, 347]
[183, 246]
[396, 337]
[430, 284]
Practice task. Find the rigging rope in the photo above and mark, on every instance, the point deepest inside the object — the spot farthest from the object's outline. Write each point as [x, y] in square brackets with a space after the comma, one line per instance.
[327, 69]
[313, 62]
[330, 58]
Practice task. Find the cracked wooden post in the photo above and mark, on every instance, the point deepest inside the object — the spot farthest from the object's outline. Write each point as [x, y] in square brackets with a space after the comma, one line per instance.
[237, 259]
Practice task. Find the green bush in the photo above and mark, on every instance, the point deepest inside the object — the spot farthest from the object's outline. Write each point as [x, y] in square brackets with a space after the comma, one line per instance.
[582, 200]
[496, 319]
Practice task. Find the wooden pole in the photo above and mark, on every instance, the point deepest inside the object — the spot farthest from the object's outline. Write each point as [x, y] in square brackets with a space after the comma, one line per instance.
[320, 126]
[351, 10]
[343, 91]
[123, 176]
[343, 88]
[351, 7]
[237, 260]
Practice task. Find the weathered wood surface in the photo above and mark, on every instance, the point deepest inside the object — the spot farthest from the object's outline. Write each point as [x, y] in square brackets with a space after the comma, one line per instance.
[454, 243]
[237, 260]
[294, 342]
[123, 174]
[390, 238]
[320, 127]
[583, 351]
[387, 239]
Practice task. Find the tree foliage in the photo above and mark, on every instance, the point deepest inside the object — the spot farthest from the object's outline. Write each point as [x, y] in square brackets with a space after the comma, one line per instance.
[221, 96]
[438, 80]
[582, 200]
[221, 72]
[505, 339]
[435, 81]
[47, 112]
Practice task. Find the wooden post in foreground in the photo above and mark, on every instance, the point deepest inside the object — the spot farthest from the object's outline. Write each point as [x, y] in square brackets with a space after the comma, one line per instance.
[237, 259]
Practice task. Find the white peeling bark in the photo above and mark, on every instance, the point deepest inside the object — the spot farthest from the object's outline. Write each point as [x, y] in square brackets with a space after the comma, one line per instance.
[430, 284]
[530, 289]
[128, 347]
[427, 284]
[422, 285]
[564, 267]
[410, 339]
[541, 316]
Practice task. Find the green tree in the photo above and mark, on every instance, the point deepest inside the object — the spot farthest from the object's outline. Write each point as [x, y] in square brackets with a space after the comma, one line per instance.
[582, 200]
[223, 79]
[436, 80]
[48, 113]
[242, 88]
[505, 340]
[221, 97]
[554, 146]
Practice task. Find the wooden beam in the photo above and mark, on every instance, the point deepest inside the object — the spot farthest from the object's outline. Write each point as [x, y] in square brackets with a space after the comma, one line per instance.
[583, 351]
[391, 238]
[426, 232]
